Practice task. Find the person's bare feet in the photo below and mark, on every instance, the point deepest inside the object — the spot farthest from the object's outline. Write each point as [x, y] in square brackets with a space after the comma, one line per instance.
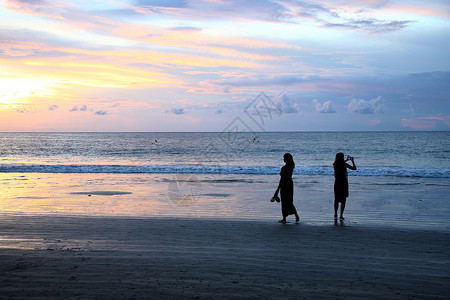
[282, 221]
[297, 219]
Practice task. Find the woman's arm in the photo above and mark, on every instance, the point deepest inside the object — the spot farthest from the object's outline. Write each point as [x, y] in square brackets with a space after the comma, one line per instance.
[279, 186]
[276, 192]
[353, 167]
[282, 175]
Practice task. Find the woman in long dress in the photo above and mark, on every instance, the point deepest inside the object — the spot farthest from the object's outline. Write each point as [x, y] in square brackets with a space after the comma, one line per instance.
[286, 189]
[341, 182]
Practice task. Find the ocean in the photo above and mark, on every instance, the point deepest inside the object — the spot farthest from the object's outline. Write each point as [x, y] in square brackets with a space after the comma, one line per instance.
[402, 178]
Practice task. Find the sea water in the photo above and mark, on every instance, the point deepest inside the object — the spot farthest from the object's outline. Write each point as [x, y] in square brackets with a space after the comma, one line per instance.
[402, 177]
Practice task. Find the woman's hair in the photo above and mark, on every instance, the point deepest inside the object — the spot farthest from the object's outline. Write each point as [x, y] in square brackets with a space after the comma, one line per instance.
[339, 162]
[339, 158]
[289, 160]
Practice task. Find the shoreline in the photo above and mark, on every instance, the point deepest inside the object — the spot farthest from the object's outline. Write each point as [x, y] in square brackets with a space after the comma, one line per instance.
[405, 203]
[147, 257]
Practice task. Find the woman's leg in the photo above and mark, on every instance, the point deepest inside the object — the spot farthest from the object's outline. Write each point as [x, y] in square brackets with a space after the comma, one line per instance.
[336, 206]
[342, 209]
[283, 210]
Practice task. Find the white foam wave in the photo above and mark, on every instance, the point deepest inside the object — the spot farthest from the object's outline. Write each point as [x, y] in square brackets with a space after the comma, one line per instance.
[202, 169]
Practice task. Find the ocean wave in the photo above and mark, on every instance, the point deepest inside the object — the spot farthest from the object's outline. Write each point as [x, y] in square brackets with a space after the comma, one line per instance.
[203, 169]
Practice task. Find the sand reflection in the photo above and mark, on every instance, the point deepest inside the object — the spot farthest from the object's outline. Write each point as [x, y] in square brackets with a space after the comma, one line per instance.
[124, 195]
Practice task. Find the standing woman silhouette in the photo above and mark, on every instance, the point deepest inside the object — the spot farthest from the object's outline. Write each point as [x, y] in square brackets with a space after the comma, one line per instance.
[286, 189]
[341, 182]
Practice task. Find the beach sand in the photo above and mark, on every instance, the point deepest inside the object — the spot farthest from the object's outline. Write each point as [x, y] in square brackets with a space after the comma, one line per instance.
[57, 257]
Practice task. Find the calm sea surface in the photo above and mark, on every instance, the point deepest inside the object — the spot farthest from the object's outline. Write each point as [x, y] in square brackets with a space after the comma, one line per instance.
[398, 154]
[403, 178]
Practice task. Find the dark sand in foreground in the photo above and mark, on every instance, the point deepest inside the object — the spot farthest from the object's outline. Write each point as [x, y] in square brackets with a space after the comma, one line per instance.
[122, 258]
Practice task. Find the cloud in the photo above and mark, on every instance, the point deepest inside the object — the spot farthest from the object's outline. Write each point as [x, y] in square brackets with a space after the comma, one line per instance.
[177, 111]
[101, 112]
[283, 11]
[185, 28]
[252, 81]
[162, 3]
[219, 110]
[427, 123]
[261, 10]
[362, 106]
[372, 25]
[75, 108]
[29, 2]
[331, 17]
[285, 104]
[324, 108]
[35, 7]
[419, 85]
[214, 50]
[53, 107]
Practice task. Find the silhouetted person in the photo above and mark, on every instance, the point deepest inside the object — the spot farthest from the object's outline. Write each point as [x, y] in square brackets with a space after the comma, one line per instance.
[341, 182]
[286, 189]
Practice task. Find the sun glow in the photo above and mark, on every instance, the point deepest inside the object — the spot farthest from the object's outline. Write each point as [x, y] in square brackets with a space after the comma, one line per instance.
[16, 91]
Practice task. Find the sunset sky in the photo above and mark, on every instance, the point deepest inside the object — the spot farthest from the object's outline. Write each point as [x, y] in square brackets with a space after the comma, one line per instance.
[143, 65]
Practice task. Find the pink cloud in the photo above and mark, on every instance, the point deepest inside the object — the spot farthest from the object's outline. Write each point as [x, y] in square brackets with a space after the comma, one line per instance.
[419, 124]
[35, 7]
[426, 11]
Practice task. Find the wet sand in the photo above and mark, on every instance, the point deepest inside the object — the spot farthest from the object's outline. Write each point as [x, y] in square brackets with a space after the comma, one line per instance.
[55, 257]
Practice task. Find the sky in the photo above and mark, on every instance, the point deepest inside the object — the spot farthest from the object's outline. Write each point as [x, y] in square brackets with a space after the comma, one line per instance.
[217, 65]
